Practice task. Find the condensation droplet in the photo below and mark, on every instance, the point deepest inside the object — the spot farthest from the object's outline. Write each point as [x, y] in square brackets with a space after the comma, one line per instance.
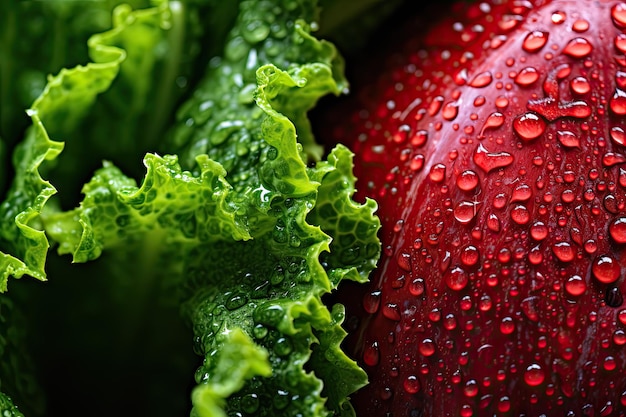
[465, 211]
[404, 261]
[580, 26]
[605, 269]
[611, 159]
[493, 223]
[481, 80]
[564, 251]
[539, 230]
[534, 41]
[529, 126]
[575, 285]
[417, 163]
[419, 138]
[580, 85]
[391, 311]
[371, 301]
[618, 15]
[578, 48]
[495, 120]
[507, 325]
[427, 347]
[488, 161]
[526, 76]
[371, 355]
[534, 375]
[618, 102]
[520, 214]
[417, 287]
[568, 139]
[617, 230]
[470, 255]
[412, 384]
[522, 192]
[456, 279]
[450, 111]
[618, 135]
[467, 180]
[438, 172]
[558, 17]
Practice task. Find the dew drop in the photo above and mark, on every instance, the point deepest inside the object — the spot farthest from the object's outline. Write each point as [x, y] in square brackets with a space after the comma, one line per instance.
[609, 364]
[495, 120]
[527, 76]
[437, 173]
[618, 14]
[613, 297]
[404, 261]
[456, 279]
[427, 347]
[611, 159]
[509, 21]
[488, 161]
[435, 105]
[605, 269]
[471, 388]
[575, 285]
[502, 102]
[534, 41]
[417, 287]
[470, 255]
[617, 230]
[580, 26]
[419, 138]
[529, 307]
[467, 180]
[618, 135]
[539, 230]
[580, 85]
[507, 325]
[493, 223]
[481, 80]
[520, 214]
[529, 126]
[620, 42]
[466, 411]
[620, 79]
[618, 102]
[371, 355]
[417, 163]
[521, 193]
[465, 211]
[535, 256]
[558, 17]
[450, 111]
[391, 311]
[371, 301]
[411, 384]
[568, 139]
[578, 48]
[534, 375]
[504, 404]
[564, 251]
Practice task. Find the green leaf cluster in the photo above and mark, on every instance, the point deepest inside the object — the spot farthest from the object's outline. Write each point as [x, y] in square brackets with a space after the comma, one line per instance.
[235, 219]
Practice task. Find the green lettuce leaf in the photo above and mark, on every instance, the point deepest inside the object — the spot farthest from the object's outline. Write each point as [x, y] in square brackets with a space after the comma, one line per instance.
[237, 219]
[65, 109]
[38, 38]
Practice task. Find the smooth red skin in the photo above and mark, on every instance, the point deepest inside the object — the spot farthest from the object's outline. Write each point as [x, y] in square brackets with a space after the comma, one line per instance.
[569, 336]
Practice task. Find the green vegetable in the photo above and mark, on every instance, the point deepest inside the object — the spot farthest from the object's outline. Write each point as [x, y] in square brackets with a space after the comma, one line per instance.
[235, 220]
